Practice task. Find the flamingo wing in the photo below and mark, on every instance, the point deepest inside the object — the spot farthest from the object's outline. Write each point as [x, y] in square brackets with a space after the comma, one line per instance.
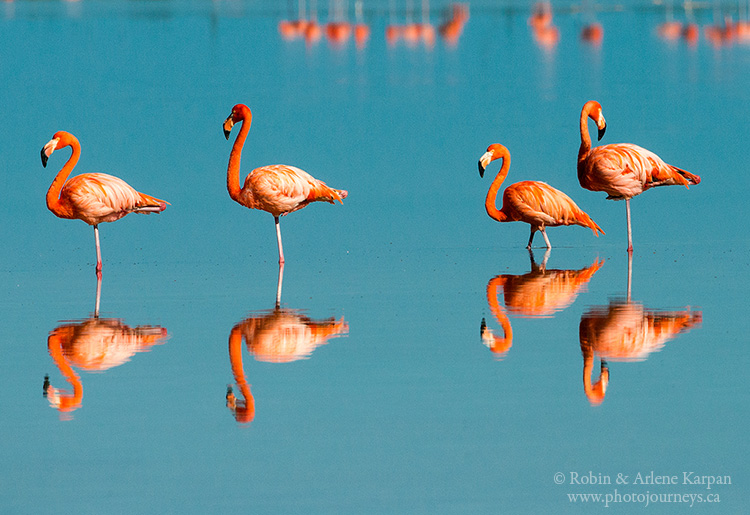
[538, 203]
[98, 197]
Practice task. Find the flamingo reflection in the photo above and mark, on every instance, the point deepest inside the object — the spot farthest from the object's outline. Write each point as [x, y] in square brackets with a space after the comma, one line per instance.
[626, 331]
[95, 345]
[279, 335]
[540, 293]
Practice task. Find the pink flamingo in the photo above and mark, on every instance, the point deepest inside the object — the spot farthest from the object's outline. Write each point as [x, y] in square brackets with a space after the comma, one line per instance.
[533, 202]
[276, 189]
[622, 170]
[92, 197]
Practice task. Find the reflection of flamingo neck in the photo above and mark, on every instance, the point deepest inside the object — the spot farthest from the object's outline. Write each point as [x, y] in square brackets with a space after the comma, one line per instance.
[491, 199]
[244, 411]
[233, 170]
[53, 193]
[595, 392]
[504, 343]
[65, 402]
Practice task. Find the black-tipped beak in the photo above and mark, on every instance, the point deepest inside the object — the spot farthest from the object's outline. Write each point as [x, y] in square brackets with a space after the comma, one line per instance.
[601, 132]
[482, 327]
[481, 169]
[228, 124]
[44, 159]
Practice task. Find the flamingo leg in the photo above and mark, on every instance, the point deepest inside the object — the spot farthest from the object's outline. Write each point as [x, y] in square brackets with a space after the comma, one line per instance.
[546, 240]
[278, 238]
[531, 237]
[98, 253]
[278, 285]
[98, 294]
[630, 233]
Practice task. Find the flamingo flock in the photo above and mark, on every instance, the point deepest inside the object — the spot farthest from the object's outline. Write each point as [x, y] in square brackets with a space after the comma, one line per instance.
[621, 170]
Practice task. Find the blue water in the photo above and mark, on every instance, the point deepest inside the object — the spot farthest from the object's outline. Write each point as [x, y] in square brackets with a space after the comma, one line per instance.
[405, 411]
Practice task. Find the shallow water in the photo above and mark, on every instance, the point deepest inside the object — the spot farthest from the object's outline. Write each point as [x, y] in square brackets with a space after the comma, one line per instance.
[387, 379]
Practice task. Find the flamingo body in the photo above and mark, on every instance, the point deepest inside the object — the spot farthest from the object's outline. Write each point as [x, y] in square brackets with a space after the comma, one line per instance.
[98, 197]
[277, 189]
[535, 203]
[281, 189]
[624, 170]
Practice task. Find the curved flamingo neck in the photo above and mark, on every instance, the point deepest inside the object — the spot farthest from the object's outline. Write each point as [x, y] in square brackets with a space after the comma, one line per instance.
[243, 411]
[584, 128]
[500, 345]
[67, 402]
[233, 170]
[594, 392]
[53, 193]
[490, 201]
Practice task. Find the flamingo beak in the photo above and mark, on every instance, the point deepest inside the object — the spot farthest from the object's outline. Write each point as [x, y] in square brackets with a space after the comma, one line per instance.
[601, 125]
[483, 162]
[48, 149]
[228, 124]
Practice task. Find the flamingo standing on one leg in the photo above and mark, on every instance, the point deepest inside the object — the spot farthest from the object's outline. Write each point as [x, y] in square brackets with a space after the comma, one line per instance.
[533, 202]
[622, 170]
[277, 189]
[92, 197]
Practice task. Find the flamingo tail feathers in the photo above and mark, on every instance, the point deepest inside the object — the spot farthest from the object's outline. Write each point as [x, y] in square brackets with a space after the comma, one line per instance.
[689, 178]
[322, 192]
[586, 221]
[149, 204]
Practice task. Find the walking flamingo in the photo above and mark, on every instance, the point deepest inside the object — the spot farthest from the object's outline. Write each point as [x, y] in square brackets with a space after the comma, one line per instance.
[533, 202]
[92, 197]
[276, 189]
[622, 170]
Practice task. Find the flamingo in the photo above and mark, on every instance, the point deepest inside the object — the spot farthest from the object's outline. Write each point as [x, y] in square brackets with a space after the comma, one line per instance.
[276, 189]
[92, 197]
[622, 170]
[533, 202]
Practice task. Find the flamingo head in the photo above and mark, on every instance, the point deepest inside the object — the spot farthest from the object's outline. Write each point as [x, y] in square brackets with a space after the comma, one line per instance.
[594, 111]
[494, 151]
[240, 112]
[59, 140]
[599, 389]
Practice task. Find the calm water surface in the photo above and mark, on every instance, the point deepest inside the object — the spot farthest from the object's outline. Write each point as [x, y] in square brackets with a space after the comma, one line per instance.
[420, 360]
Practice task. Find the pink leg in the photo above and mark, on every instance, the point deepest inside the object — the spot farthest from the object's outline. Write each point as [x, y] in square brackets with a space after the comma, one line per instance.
[630, 233]
[278, 238]
[546, 240]
[98, 253]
